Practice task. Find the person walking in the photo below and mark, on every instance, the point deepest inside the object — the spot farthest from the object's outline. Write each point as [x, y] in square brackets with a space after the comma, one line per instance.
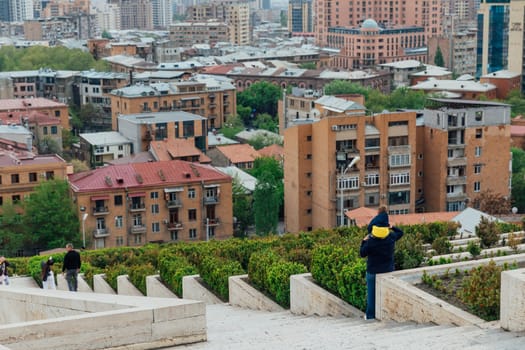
[71, 267]
[4, 275]
[378, 245]
[48, 276]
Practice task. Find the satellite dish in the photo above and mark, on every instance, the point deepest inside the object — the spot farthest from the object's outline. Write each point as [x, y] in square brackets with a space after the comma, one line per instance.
[514, 210]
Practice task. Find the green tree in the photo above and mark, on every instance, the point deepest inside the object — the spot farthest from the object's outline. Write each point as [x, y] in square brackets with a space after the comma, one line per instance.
[105, 34]
[518, 190]
[232, 127]
[262, 97]
[261, 141]
[79, 166]
[48, 146]
[242, 207]
[341, 87]
[13, 235]
[266, 205]
[284, 19]
[266, 122]
[488, 232]
[518, 159]
[404, 97]
[88, 114]
[50, 215]
[516, 101]
[438, 58]
[308, 65]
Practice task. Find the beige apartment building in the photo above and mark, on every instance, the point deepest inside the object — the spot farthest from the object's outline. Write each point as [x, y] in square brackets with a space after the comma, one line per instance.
[167, 201]
[344, 159]
[338, 158]
[187, 34]
[213, 99]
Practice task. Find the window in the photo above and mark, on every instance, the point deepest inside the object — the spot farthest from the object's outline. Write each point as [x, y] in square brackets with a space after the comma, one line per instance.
[155, 209]
[399, 160]
[477, 168]
[372, 179]
[118, 200]
[137, 239]
[16, 198]
[308, 156]
[119, 240]
[308, 211]
[191, 193]
[309, 138]
[155, 227]
[308, 193]
[308, 174]
[479, 116]
[137, 220]
[1, 201]
[372, 143]
[120, 148]
[477, 151]
[192, 214]
[401, 197]
[193, 233]
[154, 195]
[54, 130]
[400, 179]
[477, 186]
[118, 221]
[174, 235]
[44, 130]
[15, 178]
[479, 133]
[50, 175]
[33, 177]
[346, 183]
[420, 173]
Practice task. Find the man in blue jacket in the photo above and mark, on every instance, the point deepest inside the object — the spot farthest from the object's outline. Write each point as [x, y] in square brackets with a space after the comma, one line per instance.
[378, 246]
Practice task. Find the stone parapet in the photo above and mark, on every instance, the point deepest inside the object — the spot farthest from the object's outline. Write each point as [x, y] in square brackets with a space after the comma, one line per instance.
[101, 286]
[512, 309]
[193, 288]
[307, 298]
[244, 295]
[155, 288]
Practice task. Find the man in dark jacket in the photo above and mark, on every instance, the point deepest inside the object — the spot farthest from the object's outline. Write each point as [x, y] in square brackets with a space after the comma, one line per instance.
[378, 246]
[71, 267]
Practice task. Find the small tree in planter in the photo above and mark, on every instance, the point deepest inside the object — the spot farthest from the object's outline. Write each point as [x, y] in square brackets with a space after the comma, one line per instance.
[474, 249]
[488, 232]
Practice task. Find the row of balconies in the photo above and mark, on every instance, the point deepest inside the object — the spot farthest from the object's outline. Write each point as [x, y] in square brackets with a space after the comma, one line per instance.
[137, 207]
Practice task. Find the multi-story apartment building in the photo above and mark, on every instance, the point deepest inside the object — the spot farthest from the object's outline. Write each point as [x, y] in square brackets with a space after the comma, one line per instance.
[143, 128]
[47, 83]
[135, 14]
[517, 39]
[187, 34]
[493, 36]
[55, 8]
[465, 147]
[465, 89]
[408, 23]
[48, 107]
[134, 204]
[21, 172]
[207, 96]
[344, 159]
[100, 148]
[108, 16]
[79, 26]
[234, 13]
[162, 13]
[300, 16]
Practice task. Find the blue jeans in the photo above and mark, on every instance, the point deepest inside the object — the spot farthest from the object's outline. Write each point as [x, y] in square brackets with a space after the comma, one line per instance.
[370, 296]
[71, 278]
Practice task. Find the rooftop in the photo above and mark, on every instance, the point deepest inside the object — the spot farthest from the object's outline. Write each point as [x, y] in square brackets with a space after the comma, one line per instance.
[105, 138]
[28, 103]
[453, 85]
[240, 153]
[160, 117]
[503, 74]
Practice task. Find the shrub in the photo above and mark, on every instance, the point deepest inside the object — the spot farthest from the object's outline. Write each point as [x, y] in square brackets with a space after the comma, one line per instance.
[173, 268]
[138, 274]
[409, 252]
[488, 232]
[474, 249]
[278, 282]
[19, 266]
[258, 267]
[216, 271]
[442, 245]
[481, 291]
[514, 241]
[112, 272]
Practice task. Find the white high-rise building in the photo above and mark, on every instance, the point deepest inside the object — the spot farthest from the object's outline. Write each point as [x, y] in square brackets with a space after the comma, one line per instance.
[21, 10]
[108, 16]
[162, 13]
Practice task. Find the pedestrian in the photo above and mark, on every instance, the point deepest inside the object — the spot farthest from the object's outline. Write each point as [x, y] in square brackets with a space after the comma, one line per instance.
[71, 267]
[4, 275]
[48, 276]
[378, 245]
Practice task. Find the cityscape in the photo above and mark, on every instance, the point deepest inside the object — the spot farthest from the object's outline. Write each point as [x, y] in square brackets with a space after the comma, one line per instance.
[247, 174]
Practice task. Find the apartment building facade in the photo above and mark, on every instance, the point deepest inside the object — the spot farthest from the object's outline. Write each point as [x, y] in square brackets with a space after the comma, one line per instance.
[22, 171]
[465, 150]
[344, 160]
[48, 107]
[187, 34]
[212, 98]
[133, 204]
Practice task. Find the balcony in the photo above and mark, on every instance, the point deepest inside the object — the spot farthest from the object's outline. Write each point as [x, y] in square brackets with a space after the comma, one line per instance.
[135, 207]
[175, 226]
[405, 149]
[456, 196]
[100, 233]
[456, 180]
[457, 161]
[211, 200]
[212, 222]
[138, 229]
[175, 203]
[100, 211]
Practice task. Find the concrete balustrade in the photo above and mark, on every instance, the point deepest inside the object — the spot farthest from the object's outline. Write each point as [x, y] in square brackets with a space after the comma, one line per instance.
[193, 288]
[155, 288]
[125, 287]
[101, 286]
[242, 294]
[512, 309]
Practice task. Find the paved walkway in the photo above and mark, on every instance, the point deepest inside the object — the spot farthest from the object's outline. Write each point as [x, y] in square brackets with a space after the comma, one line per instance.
[233, 328]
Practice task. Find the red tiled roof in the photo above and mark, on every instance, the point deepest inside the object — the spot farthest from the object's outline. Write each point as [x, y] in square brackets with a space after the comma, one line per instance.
[220, 69]
[363, 215]
[28, 103]
[174, 148]
[274, 151]
[517, 130]
[136, 176]
[239, 153]
[34, 117]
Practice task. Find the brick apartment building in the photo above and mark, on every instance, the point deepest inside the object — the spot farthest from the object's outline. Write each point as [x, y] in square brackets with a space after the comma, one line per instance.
[437, 160]
[209, 97]
[133, 204]
[42, 105]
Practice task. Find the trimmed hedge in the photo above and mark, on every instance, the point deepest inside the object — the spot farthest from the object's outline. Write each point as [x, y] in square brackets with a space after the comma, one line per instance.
[215, 272]
[173, 268]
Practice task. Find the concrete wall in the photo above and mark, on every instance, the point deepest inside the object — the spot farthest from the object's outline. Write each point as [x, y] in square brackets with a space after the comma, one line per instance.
[512, 308]
[244, 295]
[100, 321]
[308, 298]
[125, 287]
[192, 288]
[101, 286]
[155, 288]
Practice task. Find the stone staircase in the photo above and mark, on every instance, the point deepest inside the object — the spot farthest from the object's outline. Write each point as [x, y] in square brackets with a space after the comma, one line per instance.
[234, 328]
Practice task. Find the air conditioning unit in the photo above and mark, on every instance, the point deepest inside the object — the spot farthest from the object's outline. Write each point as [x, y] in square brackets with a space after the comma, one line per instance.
[335, 127]
[363, 184]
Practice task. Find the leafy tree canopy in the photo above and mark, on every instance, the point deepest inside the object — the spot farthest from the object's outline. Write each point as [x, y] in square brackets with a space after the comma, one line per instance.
[50, 215]
[517, 102]
[261, 97]
[261, 141]
[56, 58]
[438, 58]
